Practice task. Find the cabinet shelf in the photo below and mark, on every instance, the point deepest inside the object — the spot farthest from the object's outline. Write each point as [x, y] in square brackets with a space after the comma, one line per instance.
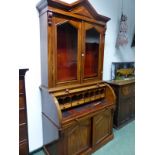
[81, 101]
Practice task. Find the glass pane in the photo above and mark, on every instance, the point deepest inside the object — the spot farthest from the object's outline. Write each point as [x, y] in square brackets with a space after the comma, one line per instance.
[91, 53]
[66, 52]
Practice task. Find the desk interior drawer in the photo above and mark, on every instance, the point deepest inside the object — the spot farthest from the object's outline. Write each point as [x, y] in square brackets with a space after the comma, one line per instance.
[22, 132]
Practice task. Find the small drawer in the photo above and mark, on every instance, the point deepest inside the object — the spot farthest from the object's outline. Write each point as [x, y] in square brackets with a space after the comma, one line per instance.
[21, 101]
[21, 86]
[23, 148]
[22, 132]
[22, 116]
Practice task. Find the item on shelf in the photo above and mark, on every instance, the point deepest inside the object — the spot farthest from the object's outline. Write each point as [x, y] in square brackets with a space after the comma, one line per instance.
[123, 70]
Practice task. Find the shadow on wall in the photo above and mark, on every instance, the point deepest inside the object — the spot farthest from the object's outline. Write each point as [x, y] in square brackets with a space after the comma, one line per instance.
[124, 53]
[119, 53]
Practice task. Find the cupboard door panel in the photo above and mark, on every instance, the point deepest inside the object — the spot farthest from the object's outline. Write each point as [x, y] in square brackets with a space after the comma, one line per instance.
[78, 137]
[102, 126]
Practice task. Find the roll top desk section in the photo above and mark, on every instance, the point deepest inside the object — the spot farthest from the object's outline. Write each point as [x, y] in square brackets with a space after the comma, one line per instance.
[87, 109]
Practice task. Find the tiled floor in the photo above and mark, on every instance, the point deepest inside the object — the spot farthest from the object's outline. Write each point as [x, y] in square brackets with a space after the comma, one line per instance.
[122, 144]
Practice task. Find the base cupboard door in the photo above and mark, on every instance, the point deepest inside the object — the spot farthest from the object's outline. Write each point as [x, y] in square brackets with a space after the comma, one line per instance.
[102, 126]
[77, 138]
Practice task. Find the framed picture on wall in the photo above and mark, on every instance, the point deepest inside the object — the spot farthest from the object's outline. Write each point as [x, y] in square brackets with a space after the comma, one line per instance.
[122, 70]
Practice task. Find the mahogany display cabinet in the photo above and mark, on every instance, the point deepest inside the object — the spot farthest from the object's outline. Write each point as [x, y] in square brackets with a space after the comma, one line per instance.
[77, 106]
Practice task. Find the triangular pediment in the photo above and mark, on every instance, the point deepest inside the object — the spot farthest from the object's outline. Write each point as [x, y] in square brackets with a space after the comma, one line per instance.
[84, 8]
[79, 7]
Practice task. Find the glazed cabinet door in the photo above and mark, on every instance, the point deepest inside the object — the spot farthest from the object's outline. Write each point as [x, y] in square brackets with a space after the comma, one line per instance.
[92, 52]
[67, 59]
[102, 125]
[77, 137]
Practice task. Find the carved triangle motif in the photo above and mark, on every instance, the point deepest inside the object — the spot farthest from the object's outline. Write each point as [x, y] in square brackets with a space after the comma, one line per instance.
[82, 11]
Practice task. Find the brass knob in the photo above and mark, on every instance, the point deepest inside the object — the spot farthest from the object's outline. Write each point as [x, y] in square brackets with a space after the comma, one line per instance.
[67, 90]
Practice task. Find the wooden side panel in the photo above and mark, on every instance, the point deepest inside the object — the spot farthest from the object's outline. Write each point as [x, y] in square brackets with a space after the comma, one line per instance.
[21, 101]
[22, 114]
[50, 132]
[23, 148]
[23, 130]
[133, 107]
[21, 86]
[51, 118]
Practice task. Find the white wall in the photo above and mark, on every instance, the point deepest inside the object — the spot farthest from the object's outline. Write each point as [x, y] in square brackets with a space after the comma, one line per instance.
[29, 53]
